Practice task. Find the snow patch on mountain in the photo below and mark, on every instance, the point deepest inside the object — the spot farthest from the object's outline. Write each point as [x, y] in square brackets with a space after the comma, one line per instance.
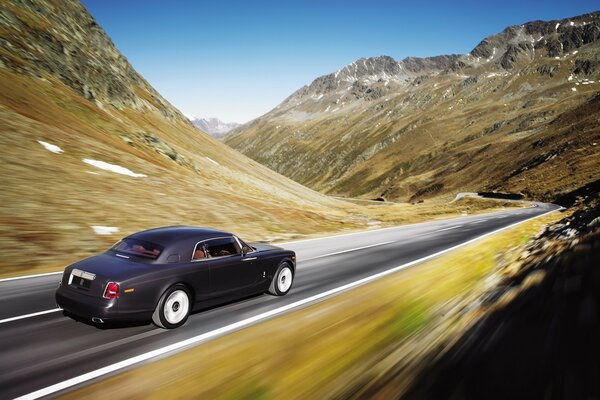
[113, 168]
[51, 147]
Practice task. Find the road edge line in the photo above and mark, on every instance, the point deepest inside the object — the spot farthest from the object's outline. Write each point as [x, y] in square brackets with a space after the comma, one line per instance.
[35, 314]
[14, 278]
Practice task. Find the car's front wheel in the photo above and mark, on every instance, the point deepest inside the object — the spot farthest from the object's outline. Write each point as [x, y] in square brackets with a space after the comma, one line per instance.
[173, 308]
[282, 281]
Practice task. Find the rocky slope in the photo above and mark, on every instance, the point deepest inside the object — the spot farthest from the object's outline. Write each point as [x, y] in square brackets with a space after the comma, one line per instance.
[91, 152]
[518, 113]
[214, 126]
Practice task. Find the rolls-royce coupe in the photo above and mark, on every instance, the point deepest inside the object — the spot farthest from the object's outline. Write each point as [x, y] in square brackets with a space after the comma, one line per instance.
[164, 274]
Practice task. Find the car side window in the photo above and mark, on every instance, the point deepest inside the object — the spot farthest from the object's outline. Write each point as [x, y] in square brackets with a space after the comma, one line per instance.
[222, 247]
[199, 252]
[246, 247]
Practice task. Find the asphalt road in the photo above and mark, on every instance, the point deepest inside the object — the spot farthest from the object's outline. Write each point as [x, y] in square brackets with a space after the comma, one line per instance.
[42, 350]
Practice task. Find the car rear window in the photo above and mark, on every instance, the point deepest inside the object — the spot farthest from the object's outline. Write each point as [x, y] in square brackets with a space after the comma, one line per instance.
[138, 248]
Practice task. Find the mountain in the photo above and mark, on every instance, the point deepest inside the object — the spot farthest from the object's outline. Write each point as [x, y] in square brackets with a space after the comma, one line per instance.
[519, 113]
[91, 152]
[214, 126]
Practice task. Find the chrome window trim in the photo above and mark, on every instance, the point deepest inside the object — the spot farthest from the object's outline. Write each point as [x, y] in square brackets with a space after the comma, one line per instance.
[215, 258]
[237, 240]
[242, 247]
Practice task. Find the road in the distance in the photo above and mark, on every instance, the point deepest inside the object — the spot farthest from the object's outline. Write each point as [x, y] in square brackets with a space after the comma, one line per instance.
[42, 350]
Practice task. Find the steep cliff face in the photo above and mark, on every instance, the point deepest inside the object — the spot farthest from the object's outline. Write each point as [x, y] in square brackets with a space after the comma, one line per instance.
[91, 152]
[493, 119]
[61, 39]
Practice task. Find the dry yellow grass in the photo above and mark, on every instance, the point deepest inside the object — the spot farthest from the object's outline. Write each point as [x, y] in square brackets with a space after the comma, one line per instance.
[325, 349]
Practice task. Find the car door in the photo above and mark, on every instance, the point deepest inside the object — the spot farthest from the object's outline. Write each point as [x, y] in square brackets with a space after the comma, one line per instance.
[195, 272]
[230, 273]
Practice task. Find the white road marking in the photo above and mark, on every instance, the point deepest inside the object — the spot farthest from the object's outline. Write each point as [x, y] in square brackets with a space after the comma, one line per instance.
[479, 221]
[30, 276]
[247, 322]
[35, 314]
[347, 251]
[451, 227]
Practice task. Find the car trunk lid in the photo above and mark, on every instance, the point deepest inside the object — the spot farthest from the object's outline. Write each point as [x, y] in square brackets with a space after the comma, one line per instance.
[90, 276]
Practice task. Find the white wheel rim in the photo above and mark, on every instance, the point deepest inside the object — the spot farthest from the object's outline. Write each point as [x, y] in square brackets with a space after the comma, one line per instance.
[176, 307]
[284, 280]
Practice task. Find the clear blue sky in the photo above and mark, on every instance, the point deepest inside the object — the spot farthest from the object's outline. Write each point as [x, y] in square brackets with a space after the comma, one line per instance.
[236, 60]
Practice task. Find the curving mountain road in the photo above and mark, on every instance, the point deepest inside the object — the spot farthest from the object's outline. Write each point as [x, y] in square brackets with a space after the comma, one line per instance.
[41, 353]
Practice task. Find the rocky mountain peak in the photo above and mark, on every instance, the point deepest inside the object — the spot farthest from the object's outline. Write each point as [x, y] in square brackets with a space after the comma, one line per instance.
[371, 67]
[551, 38]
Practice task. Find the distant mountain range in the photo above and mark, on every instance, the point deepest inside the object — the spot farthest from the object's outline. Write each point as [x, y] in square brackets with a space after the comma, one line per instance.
[520, 113]
[214, 126]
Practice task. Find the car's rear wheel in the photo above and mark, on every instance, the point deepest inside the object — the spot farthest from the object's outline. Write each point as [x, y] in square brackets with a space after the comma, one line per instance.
[282, 281]
[173, 308]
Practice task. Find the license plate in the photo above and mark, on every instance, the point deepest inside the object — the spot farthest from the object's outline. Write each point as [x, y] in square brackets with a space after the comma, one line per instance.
[81, 282]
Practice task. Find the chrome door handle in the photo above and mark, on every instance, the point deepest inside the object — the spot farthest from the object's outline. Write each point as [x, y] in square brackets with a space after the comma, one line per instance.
[249, 259]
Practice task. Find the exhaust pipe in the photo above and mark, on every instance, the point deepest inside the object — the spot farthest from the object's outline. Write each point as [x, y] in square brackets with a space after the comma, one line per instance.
[97, 320]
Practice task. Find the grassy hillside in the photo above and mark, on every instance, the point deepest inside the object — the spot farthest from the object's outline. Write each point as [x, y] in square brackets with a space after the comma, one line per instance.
[519, 113]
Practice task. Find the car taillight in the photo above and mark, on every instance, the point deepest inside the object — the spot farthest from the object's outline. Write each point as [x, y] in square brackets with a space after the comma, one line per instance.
[112, 290]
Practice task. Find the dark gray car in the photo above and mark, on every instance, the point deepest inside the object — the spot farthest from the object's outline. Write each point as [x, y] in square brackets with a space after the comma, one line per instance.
[163, 274]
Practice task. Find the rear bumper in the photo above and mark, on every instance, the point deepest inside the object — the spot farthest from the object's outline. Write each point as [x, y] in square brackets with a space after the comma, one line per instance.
[88, 307]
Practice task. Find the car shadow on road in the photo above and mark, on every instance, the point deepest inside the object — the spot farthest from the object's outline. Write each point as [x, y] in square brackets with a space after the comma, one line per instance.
[106, 324]
[130, 324]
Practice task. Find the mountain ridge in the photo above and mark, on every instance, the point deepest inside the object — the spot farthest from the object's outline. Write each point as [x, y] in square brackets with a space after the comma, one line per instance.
[383, 120]
[585, 27]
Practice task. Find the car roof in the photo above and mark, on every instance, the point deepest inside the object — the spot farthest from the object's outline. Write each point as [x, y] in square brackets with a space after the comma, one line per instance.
[172, 234]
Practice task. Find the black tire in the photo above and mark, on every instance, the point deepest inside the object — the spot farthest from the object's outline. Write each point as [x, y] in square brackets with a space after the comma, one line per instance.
[173, 308]
[282, 280]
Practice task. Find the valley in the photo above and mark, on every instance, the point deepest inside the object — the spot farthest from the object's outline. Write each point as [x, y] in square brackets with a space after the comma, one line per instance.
[91, 153]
